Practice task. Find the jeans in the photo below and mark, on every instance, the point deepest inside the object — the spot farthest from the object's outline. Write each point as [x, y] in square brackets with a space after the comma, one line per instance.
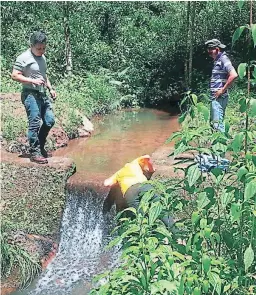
[133, 197]
[38, 107]
[218, 108]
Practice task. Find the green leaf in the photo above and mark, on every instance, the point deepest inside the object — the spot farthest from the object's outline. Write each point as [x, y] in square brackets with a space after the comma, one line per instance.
[215, 281]
[235, 212]
[180, 149]
[253, 27]
[237, 34]
[193, 174]
[243, 105]
[182, 118]
[154, 212]
[254, 160]
[242, 70]
[250, 190]
[204, 110]
[252, 111]
[206, 261]
[194, 98]
[164, 285]
[181, 287]
[195, 217]
[238, 142]
[163, 231]
[240, 4]
[202, 200]
[254, 72]
[226, 198]
[248, 257]
[241, 172]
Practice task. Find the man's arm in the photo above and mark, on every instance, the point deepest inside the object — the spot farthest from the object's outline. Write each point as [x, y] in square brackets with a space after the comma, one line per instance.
[19, 77]
[49, 86]
[111, 180]
[232, 75]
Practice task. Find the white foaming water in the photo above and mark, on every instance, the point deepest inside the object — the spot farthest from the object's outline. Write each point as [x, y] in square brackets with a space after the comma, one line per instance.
[81, 254]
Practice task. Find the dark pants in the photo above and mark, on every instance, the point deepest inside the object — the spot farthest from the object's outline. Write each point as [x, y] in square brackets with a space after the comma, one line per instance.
[133, 197]
[38, 107]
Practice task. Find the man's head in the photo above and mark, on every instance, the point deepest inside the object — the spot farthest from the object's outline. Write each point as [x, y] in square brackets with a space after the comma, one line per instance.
[214, 47]
[38, 43]
[146, 166]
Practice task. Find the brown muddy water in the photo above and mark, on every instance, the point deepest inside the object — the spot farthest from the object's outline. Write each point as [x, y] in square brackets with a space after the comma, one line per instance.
[85, 229]
[118, 138]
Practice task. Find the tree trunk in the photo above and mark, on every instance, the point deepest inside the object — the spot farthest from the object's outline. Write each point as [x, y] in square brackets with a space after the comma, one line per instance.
[191, 41]
[187, 48]
[68, 52]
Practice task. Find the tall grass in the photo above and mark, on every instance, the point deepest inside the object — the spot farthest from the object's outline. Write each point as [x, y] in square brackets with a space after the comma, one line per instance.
[14, 257]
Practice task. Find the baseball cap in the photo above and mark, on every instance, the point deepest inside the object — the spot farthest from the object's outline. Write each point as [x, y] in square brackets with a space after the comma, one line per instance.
[214, 43]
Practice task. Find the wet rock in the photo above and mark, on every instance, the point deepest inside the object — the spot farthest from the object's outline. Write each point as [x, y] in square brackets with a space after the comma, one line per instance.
[36, 245]
[87, 125]
[86, 129]
[58, 136]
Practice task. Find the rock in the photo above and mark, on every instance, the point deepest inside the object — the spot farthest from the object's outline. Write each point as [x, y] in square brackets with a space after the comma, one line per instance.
[17, 147]
[58, 136]
[87, 125]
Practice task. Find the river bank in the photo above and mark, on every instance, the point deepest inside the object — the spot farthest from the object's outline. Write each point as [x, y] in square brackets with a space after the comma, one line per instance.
[40, 189]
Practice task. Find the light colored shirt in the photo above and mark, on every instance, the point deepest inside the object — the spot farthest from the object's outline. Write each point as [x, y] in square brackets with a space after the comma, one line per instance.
[31, 66]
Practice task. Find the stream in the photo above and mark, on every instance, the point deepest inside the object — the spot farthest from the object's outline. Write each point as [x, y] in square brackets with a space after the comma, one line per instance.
[85, 231]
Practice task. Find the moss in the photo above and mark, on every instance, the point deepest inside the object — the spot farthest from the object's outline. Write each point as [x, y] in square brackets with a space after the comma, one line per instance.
[33, 197]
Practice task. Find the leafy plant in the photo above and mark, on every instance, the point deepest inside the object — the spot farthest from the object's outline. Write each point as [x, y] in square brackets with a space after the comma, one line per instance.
[14, 257]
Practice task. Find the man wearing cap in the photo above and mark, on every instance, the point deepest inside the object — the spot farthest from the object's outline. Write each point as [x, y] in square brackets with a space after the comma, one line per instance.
[223, 74]
[30, 70]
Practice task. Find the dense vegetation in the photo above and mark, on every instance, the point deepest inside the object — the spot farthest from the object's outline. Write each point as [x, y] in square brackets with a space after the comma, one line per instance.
[212, 250]
[141, 48]
[105, 55]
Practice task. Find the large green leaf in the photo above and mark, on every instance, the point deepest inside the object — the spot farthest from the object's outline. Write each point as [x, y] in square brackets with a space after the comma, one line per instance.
[202, 200]
[240, 3]
[238, 142]
[253, 27]
[248, 257]
[226, 198]
[242, 70]
[215, 281]
[193, 174]
[250, 190]
[237, 34]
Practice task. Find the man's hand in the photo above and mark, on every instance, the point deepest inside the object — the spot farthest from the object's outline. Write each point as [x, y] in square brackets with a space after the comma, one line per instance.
[53, 94]
[38, 81]
[218, 93]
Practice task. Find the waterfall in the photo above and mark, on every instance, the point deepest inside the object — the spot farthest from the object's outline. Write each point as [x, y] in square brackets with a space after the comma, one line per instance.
[85, 232]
